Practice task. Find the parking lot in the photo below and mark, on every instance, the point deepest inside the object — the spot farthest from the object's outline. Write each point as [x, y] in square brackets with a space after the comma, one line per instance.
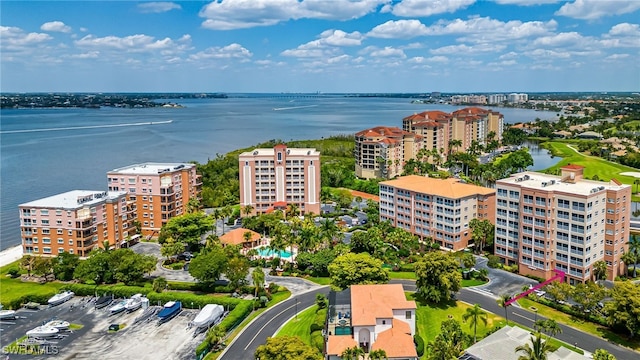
[142, 340]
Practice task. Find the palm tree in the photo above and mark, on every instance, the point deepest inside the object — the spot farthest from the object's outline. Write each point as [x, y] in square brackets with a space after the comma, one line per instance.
[225, 213]
[540, 326]
[258, 280]
[628, 258]
[552, 327]
[292, 210]
[502, 302]
[634, 247]
[353, 353]
[599, 270]
[475, 313]
[246, 236]
[538, 349]
[211, 241]
[247, 210]
[636, 182]
[378, 355]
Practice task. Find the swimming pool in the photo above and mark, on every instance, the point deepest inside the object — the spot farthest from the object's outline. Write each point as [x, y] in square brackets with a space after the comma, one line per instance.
[265, 252]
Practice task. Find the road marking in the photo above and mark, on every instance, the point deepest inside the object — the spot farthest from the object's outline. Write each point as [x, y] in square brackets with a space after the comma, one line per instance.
[267, 323]
[516, 314]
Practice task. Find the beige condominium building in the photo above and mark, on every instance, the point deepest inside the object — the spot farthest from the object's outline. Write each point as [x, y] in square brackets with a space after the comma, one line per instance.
[546, 222]
[381, 152]
[76, 222]
[436, 208]
[272, 179]
[160, 191]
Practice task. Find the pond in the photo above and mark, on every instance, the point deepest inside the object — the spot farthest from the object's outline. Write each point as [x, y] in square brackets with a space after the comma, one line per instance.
[542, 158]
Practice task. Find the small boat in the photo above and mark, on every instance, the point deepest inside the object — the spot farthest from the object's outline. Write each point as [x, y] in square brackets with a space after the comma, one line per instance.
[209, 314]
[7, 314]
[134, 303]
[118, 307]
[43, 332]
[58, 299]
[103, 301]
[170, 309]
[58, 324]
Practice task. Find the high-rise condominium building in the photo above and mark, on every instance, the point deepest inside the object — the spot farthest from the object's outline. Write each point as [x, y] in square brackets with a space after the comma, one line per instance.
[546, 222]
[160, 190]
[76, 222]
[381, 152]
[272, 179]
[436, 208]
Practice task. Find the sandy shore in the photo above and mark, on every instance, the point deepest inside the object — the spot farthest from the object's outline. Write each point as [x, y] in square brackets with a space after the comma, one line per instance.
[10, 255]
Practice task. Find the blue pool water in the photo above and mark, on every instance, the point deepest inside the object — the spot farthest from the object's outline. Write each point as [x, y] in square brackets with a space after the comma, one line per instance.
[271, 253]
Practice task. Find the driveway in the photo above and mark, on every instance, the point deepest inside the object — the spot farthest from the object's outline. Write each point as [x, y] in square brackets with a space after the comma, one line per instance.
[149, 248]
[501, 282]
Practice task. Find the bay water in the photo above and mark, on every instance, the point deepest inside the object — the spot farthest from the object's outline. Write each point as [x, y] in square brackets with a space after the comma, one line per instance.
[44, 152]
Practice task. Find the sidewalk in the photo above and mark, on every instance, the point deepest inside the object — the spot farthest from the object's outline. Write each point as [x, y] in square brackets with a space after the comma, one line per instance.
[10, 255]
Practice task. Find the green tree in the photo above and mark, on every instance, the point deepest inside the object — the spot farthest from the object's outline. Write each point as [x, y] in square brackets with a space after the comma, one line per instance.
[481, 230]
[353, 353]
[475, 314]
[628, 258]
[378, 355]
[27, 263]
[42, 266]
[552, 327]
[450, 343]
[247, 210]
[171, 248]
[513, 136]
[538, 349]
[373, 212]
[64, 264]
[623, 311]
[208, 267]
[159, 284]
[559, 291]
[286, 348]
[599, 270]
[129, 267]
[602, 354]
[351, 269]
[257, 275]
[437, 276]
[502, 302]
[588, 295]
[634, 248]
[187, 228]
[321, 301]
[237, 271]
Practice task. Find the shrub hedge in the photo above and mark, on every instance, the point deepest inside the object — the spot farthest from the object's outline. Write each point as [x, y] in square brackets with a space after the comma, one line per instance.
[419, 344]
[17, 302]
[317, 340]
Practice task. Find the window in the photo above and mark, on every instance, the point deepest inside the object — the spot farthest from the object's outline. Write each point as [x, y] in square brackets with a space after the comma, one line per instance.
[279, 156]
[408, 315]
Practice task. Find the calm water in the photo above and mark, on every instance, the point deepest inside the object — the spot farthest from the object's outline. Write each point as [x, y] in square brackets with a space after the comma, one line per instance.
[44, 163]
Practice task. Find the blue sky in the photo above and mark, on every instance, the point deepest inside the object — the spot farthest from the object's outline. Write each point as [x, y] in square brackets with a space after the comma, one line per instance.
[320, 45]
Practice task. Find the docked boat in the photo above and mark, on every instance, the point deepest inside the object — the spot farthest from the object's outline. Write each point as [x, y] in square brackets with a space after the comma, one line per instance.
[118, 307]
[58, 324]
[7, 314]
[209, 314]
[134, 303]
[103, 301]
[170, 309]
[43, 332]
[60, 298]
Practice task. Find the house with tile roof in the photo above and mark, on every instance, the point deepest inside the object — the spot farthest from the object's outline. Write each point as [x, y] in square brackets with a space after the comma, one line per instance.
[372, 317]
[437, 208]
[237, 237]
[381, 152]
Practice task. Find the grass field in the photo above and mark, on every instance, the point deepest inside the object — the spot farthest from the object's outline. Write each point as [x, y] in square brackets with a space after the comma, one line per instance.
[582, 325]
[320, 280]
[300, 327]
[11, 289]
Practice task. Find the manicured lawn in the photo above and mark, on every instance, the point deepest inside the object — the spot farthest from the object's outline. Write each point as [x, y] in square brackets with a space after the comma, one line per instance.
[582, 325]
[300, 327]
[407, 275]
[11, 289]
[472, 282]
[320, 280]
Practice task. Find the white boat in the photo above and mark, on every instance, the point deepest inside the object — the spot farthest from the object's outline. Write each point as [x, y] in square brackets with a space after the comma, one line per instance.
[134, 303]
[118, 307]
[58, 299]
[7, 314]
[42, 332]
[209, 314]
[58, 324]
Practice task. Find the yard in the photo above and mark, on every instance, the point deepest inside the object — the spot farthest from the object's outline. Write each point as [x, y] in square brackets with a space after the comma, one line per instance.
[13, 289]
[300, 327]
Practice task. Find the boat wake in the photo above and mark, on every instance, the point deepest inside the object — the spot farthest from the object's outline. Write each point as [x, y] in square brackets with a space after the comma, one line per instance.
[87, 127]
[293, 107]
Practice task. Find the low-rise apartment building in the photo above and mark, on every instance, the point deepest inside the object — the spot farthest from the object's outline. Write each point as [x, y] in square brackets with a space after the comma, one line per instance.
[371, 317]
[381, 152]
[547, 222]
[161, 191]
[275, 178]
[77, 222]
[440, 209]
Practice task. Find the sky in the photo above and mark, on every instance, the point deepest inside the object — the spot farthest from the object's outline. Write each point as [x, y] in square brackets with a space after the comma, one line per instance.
[472, 46]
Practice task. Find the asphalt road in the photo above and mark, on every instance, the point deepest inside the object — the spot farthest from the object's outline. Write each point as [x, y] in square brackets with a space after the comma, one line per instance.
[255, 334]
[521, 316]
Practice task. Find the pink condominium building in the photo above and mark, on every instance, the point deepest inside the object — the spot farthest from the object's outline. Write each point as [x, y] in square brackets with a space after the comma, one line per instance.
[160, 191]
[546, 222]
[272, 179]
[76, 222]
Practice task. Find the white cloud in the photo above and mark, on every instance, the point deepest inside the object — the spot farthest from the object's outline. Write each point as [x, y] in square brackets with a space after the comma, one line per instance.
[614, 57]
[595, 9]
[304, 53]
[463, 49]
[625, 29]
[423, 8]
[158, 7]
[135, 43]
[388, 51]
[55, 26]
[568, 39]
[526, 2]
[622, 35]
[239, 14]
[231, 51]
[341, 38]
[84, 29]
[87, 55]
[14, 38]
[400, 29]
[509, 55]
[544, 53]
[324, 46]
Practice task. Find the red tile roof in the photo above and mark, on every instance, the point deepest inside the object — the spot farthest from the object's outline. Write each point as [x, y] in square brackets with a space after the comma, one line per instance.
[369, 302]
[236, 236]
[397, 342]
[384, 131]
[336, 344]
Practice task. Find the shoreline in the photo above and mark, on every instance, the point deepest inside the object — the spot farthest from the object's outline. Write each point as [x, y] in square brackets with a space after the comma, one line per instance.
[10, 255]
